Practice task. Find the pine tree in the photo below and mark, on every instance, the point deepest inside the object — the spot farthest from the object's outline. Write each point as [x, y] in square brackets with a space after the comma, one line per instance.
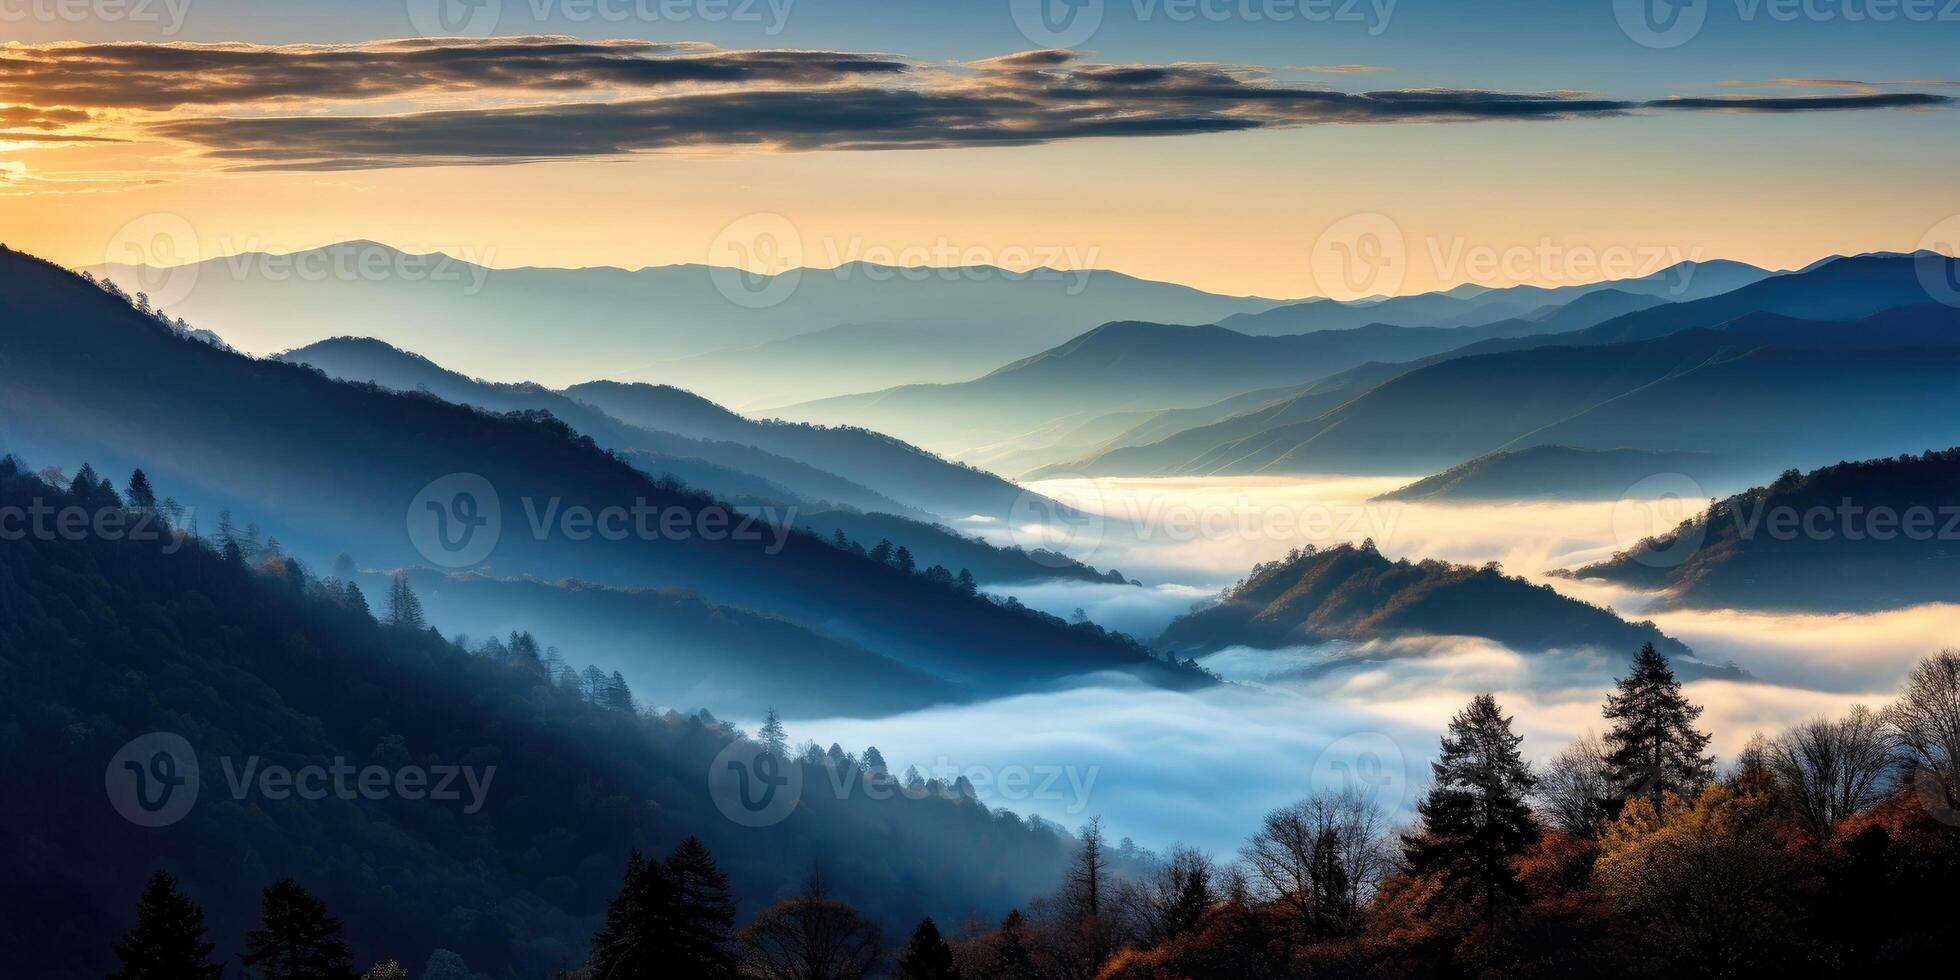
[625, 948]
[404, 608]
[1476, 817]
[1653, 748]
[619, 697]
[904, 560]
[168, 940]
[701, 927]
[772, 736]
[882, 552]
[1010, 958]
[673, 919]
[874, 764]
[966, 583]
[351, 594]
[927, 957]
[141, 495]
[839, 541]
[296, 938]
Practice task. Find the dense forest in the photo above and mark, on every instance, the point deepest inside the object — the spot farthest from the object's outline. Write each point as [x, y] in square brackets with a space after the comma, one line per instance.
[1826, 850]
[246, 654]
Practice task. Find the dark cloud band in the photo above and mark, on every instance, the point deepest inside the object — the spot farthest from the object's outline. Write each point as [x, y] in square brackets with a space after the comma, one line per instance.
[547, 98]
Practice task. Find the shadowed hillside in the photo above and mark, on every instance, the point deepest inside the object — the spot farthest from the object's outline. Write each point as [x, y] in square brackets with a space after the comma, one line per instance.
[1878, 534]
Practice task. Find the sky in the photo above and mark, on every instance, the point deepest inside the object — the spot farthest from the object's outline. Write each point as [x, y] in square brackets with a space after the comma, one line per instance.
[1282, 148]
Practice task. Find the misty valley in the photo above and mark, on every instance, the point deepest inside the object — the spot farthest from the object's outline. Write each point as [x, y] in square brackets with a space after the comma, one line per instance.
[1031, 490]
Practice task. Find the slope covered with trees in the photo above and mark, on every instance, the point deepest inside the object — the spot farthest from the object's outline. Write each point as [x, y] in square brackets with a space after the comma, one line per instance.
[1876, 534]
[336, 466]
[106, 638]
[1355, 593]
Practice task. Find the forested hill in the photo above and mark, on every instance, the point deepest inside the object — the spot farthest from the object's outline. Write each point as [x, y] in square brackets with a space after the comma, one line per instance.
[1877, 534]
[336, 466]
[104, 639]
[1355, 593]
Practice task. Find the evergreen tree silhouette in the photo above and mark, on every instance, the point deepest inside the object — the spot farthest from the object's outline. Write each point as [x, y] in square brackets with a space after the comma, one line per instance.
[404, 608]
[296, 938]
[927, 957]
[1653, 748]
[141, 495]
[1476, 817]
[904, 560]
[168, 940]
[772, 736]
[668, 920]
[700, 929]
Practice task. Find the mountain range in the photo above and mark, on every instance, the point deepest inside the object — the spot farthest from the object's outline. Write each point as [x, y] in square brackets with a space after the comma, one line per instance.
[331, 466]
[1874, 380]
[1145, 366]
[1471, 305]
[775, 339]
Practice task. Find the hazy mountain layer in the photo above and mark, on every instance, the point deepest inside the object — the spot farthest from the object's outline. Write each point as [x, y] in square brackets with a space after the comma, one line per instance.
[1678, 283]
[1561, 472]
[1137, 366]
[329, 466]
[562, 326]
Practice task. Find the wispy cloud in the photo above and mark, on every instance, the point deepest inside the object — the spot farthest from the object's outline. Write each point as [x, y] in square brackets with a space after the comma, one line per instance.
[405, 103]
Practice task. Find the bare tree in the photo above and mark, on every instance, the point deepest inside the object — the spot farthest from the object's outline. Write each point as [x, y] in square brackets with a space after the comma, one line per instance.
[1926, 721]
[1576, 790]
[1090, 876]
[1172, 901]
[1321, 858]
[1830, 770]
[811, 937]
